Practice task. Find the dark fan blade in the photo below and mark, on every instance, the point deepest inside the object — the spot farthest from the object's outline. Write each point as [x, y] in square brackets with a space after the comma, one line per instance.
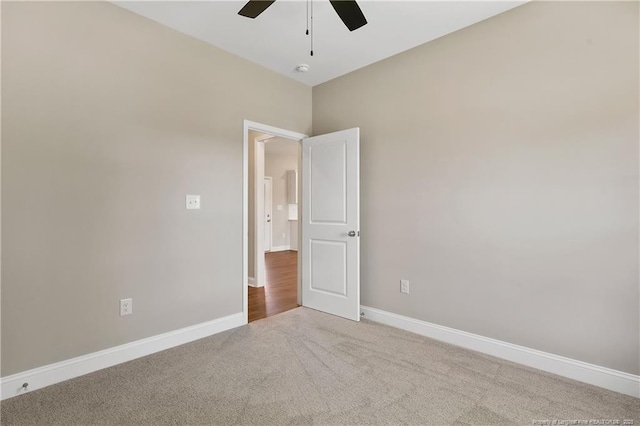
[350, 13]
[255, 7]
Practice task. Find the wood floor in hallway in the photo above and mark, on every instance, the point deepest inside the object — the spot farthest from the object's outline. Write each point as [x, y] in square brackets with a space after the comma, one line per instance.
[281, 288]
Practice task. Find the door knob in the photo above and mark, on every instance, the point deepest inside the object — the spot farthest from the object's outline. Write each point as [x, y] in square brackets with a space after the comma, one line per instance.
[352, 233]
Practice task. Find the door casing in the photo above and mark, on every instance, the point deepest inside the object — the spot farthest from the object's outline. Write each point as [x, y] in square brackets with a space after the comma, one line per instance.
[274, 131]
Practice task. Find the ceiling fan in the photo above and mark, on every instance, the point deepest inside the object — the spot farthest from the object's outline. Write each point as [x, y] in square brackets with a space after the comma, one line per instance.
[347, 10]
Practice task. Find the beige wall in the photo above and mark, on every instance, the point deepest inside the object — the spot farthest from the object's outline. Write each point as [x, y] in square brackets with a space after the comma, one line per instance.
[276, 165]
[499, 174]
[109, 120]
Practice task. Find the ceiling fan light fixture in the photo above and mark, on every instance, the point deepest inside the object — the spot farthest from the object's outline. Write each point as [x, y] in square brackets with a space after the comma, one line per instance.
[303, 68]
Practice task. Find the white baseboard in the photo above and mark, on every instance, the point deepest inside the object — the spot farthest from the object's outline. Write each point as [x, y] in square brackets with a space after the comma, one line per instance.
[280, 248]
[607, 378]
[252, 282]
[60, 371]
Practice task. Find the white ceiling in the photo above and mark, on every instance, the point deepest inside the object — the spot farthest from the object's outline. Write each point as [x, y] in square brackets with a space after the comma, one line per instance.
[276, 39]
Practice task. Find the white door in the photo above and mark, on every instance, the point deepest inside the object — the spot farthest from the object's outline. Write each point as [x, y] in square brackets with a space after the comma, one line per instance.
[331, 223]
[268, 214]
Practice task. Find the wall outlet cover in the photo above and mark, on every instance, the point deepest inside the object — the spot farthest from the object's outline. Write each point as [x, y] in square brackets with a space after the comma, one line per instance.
[126, 307]
[193, 202]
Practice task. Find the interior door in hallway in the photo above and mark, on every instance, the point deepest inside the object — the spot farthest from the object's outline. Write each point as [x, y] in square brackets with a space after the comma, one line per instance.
[331, 223]
[268, 214]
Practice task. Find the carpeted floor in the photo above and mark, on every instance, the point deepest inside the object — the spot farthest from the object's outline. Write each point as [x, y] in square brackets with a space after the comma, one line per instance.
[305, 367]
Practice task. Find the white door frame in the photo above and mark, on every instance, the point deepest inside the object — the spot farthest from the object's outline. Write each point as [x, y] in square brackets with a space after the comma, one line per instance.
[275, 131]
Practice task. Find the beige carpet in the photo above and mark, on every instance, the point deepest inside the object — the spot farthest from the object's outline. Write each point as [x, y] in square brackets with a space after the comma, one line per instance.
[305, 367]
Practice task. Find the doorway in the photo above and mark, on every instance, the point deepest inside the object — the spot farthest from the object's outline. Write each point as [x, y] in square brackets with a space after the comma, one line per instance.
[328, 222]
[271, 221]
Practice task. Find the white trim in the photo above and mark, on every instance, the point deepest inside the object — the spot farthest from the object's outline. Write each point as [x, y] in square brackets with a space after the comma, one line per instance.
[252, 282]
[245, 221]
[85, 364]
[274, 131]
[264, 138]
[280, 248]
[299, 225]
[607, 378]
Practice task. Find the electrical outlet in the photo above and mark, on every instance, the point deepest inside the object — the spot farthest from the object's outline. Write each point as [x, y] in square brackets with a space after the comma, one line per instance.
[193, 202]
[126, 307]
[404, 286]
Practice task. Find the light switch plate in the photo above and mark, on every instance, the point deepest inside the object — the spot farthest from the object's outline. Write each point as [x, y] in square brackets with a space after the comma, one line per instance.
[193, 202]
